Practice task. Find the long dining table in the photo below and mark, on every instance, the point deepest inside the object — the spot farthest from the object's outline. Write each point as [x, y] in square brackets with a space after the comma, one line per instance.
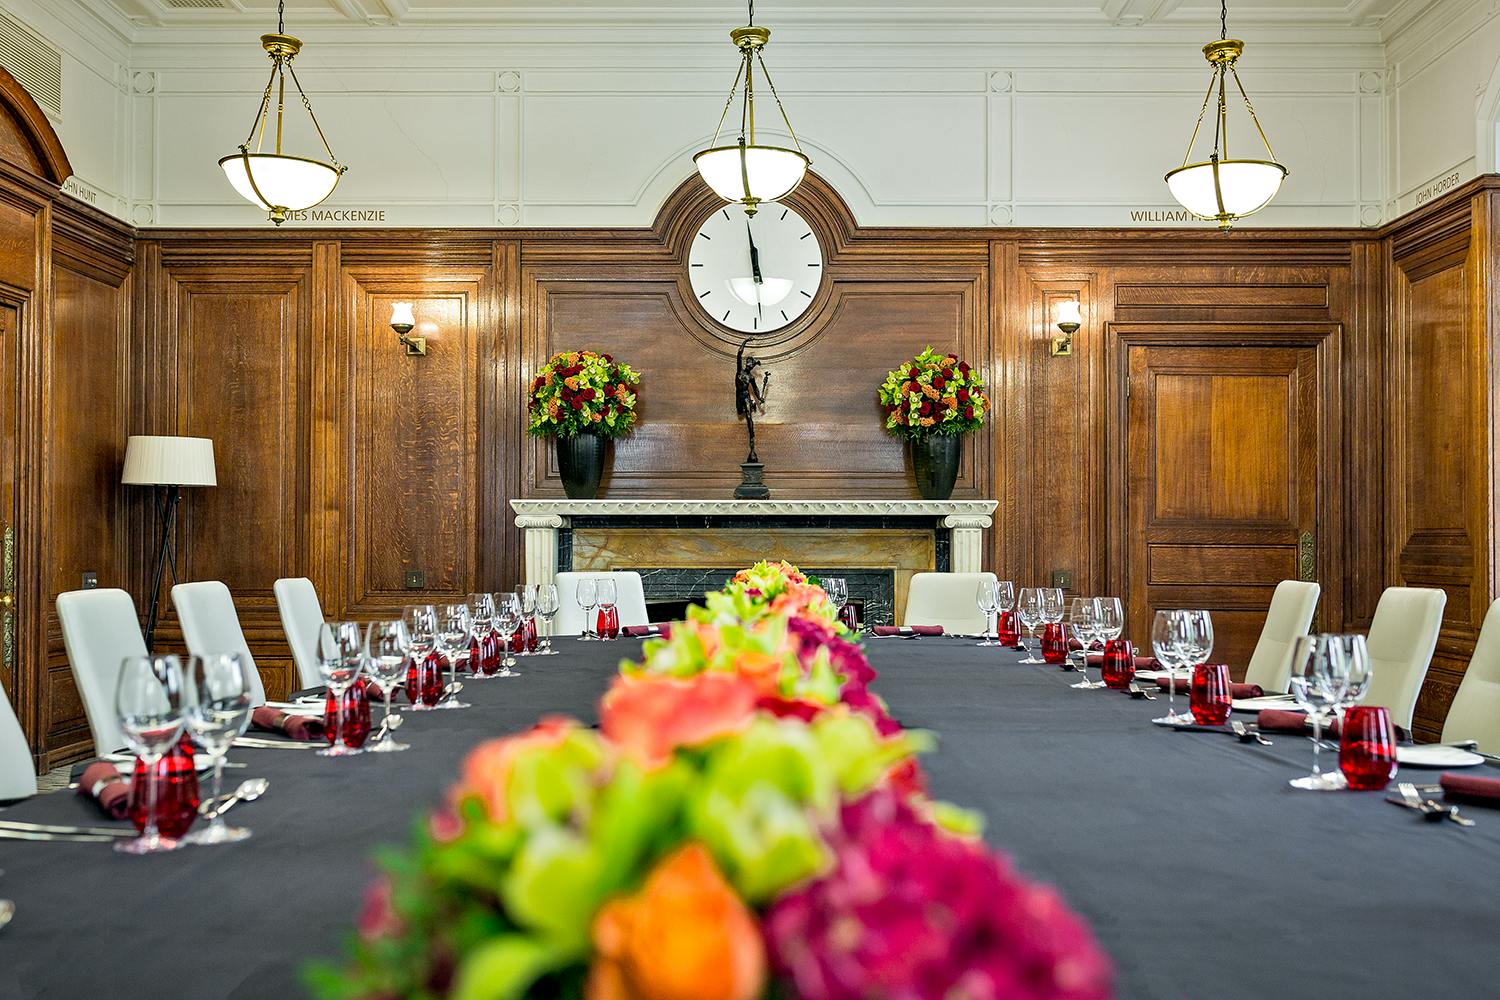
[1202, 873]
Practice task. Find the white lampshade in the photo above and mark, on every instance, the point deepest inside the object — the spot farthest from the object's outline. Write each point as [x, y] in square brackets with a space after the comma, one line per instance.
[401, 315]
[772, 172]
[771, 290]
[169, 461]
[1067, 311]
[1246, 187]
[293, 183]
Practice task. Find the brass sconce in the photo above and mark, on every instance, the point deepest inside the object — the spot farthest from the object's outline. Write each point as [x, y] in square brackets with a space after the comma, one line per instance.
[1069, 318]
[402, 321]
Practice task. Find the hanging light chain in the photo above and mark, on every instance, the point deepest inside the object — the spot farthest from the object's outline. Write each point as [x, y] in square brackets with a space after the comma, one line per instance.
[317, 127]
[1223, 19]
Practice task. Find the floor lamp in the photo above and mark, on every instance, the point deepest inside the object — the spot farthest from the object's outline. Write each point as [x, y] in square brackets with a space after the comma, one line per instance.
[167, 463]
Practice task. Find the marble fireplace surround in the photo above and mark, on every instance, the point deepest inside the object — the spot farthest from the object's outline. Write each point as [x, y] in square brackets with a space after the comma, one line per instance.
[682, 548]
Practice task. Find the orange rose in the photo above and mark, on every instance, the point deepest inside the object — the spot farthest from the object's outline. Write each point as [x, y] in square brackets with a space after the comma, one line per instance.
[650, 716]
[685, 935]
[486, 771]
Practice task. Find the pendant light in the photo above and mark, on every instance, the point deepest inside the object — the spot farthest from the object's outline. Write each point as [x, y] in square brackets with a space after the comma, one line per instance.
[1223, 188]
[746, 172]
[279, 182]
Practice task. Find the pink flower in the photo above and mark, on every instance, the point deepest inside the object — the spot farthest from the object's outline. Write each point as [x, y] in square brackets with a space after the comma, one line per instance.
[377, 917]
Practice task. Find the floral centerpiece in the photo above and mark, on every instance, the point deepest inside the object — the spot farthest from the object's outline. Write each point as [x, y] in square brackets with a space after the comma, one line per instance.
[703, 846]
[583, 399]
[931, 401]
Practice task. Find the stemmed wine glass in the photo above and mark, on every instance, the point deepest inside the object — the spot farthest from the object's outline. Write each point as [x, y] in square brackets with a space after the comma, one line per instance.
[546, 609]
[218, 712]
[340, 660]
[508, 620]
[1053, 605]
[454, 629]
[1029, 610]
[1169, 643]
[149, 707]
[482, 614]
[1110, 621]
[587, 596]
[988, 601]
[837, 589]
[527, 593]
[421, 636]
[386, 649]
[1318, 675]
[1083, 620]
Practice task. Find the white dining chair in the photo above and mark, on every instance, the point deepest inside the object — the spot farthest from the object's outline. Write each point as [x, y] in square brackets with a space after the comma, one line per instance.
[17, 772]
[1475, 712]
[301, 618]
[211, 625]
[1403, 636]
[630, 599]
[1288, 618]
[100, 629]
[947, 599]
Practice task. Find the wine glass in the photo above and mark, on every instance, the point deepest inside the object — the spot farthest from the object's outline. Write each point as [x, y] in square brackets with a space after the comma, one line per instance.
[989, 603]
[1029, 610]
[587, 596]
[1005, 595]
[218, 712]
[1110, 621]
[386, 648]
[454, 629]
[1358, 671]
[1197, 637]
[527, 592]
[1318, 674]
[421, 636]
[340, 660]
[1083, 621]
[482, 614]
[837, 589]
[546, 609]
[607, 597]
[1053, 605]
[149, 708]
[508, 620]
[1169, 631]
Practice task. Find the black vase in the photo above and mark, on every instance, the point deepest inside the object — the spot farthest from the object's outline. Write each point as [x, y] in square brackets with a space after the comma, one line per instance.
[580, 458]
[934, 458]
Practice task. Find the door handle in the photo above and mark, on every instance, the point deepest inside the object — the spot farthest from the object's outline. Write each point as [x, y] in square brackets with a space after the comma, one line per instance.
[1307, 557]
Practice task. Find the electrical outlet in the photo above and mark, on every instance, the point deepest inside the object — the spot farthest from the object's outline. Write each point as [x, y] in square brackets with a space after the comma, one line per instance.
[90, 580]
[415, 579]
[1062, 579]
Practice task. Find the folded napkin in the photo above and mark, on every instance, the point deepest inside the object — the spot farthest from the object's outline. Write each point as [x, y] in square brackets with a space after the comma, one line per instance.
[1141, 662]
[1185, 686]
[1282, 720]
[907, 630]
[1074, 645]
[1472, 787]
[298, 727]
[109, 789]
[646, 631]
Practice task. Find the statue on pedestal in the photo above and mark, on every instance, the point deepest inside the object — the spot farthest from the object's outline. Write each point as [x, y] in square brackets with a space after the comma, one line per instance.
[750, 399]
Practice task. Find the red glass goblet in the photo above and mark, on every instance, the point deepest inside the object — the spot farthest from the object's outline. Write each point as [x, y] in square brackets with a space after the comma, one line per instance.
[356, 715]
[1210, 699]
[176, 791]
[424, 680]
[608, 624]
[1055, 643]
[1119, 664]
[1367, 748]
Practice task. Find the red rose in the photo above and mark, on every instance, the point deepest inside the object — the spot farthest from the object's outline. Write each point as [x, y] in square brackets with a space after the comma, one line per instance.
[968, 413]
[938, 383]
[577, 403]
[588, 394]
[926, 410]
[963, 395]
[963, 367]
[610, 358]
[953, 357]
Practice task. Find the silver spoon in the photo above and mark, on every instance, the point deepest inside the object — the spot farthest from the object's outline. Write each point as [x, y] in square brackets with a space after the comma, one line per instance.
[7, 910]
[249, 790]
[451, 691]
[1246, 734]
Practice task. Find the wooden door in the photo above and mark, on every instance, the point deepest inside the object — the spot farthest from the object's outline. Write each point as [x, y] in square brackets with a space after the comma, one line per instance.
[10, 324]
[1222, 472]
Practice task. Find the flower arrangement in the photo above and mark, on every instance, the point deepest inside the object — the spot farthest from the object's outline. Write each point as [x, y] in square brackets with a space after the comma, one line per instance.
[774, 589]
[933, 394]
[580, 392]
[705, 845]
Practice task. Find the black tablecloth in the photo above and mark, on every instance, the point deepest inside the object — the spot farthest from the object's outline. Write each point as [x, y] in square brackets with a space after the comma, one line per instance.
[1203, 874]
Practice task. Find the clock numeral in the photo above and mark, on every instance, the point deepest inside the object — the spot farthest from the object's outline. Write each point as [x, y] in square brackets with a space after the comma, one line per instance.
[726, 216]
[807, 295]
[755, 323]
[815, 264]
[697, 265]
[784, 213]
[706, 237]
[726, 316]
[785, 317]
[805, 235]
[706, 294]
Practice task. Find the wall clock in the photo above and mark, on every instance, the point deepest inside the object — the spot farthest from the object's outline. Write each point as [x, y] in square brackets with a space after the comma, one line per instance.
[755, 274]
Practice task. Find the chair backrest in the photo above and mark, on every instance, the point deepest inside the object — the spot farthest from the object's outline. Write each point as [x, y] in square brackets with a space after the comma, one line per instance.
[630, 599]
[17, 772]
[1289, 617]
[100, 629]
[1403, 635]
[301, 618]
[1475, 712]
[946, 599]
[210, 625]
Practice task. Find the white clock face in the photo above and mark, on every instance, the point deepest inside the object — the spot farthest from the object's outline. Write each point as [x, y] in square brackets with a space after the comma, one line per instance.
[755, 274]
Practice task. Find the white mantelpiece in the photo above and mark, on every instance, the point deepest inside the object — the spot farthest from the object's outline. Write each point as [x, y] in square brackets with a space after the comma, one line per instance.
[965, 520]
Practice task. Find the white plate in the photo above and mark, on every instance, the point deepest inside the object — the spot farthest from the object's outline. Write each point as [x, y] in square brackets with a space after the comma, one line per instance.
[297, 707]
[1436, 756]
[1269, 701]
[126, 763]
[1154, 675]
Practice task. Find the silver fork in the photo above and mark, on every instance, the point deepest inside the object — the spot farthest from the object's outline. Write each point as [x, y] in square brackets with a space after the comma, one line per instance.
[1429, 808]
[1246, 734]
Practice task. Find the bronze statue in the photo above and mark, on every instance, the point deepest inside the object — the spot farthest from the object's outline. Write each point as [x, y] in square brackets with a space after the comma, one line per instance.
[749, 398]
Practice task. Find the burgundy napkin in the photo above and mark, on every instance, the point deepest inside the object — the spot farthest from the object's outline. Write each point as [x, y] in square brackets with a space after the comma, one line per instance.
[907, 630]
[298, 727]
[646, 631]
[1471, 787]
[113, 794]
[1282, 720]
[1141, 662]
[1185, 686]
[1074, 645]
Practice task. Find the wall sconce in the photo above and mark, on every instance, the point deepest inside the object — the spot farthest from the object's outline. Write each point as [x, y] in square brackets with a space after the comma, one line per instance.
[1069, 318]
[402, 321]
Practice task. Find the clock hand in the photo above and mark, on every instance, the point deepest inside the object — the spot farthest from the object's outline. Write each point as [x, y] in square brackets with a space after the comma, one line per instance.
[755, 269]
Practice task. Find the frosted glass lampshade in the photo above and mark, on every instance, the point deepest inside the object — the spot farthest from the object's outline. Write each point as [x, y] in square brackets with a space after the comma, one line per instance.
[158, 460]
[772, 290]
[401, 315]
[1245, 186]
[751, 174]
[292, 183]
[1067, 312]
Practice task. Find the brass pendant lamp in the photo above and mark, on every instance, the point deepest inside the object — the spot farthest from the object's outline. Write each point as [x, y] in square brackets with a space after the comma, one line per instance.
[1222, 188]
[279, 182]
[748, 173]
